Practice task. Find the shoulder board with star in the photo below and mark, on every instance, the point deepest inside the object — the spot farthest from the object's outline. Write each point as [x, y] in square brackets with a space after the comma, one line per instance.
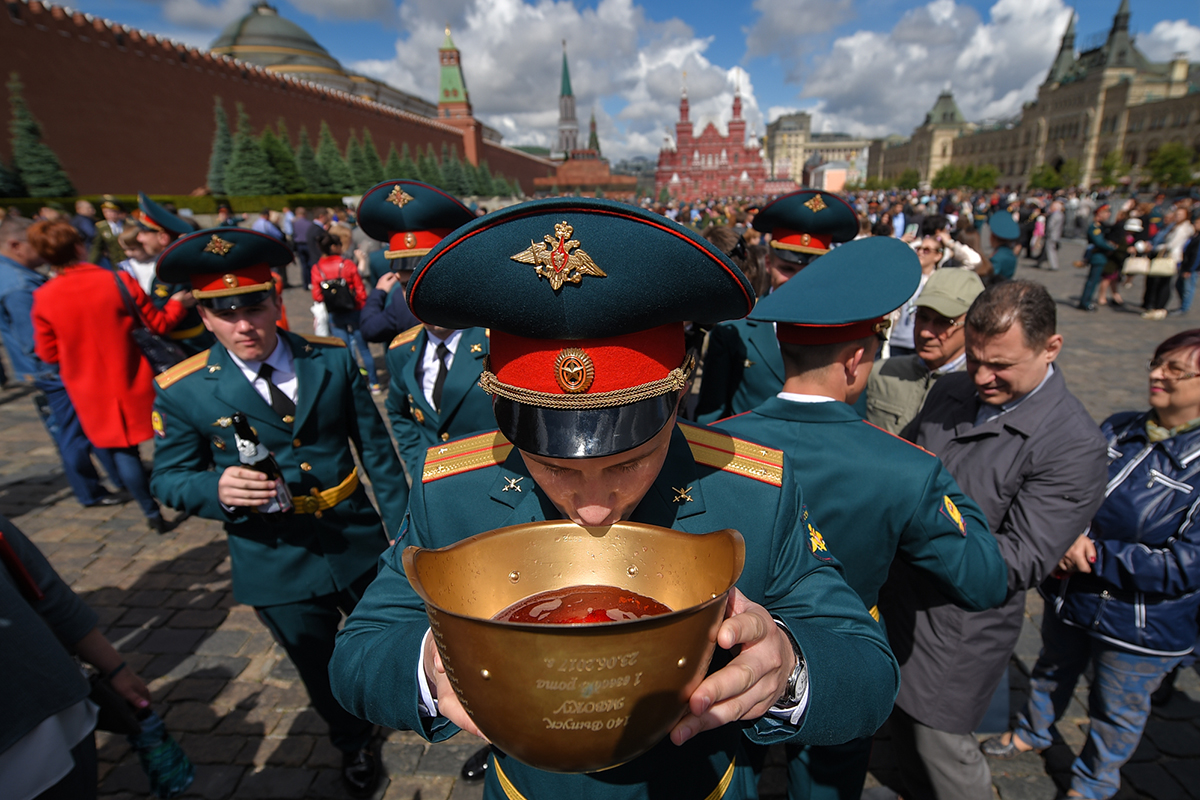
[465, 455]
[182, 370]
[407, 336]
[332, 341]
[718, 449]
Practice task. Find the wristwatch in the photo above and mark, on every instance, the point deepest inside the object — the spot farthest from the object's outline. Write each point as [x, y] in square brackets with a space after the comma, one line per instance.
[797, 684]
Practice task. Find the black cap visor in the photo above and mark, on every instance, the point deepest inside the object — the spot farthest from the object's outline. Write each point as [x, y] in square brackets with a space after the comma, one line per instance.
[231, 302]
[588, 433]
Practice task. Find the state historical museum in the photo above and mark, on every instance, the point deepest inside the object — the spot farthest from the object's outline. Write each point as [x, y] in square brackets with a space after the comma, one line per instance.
[710, 165]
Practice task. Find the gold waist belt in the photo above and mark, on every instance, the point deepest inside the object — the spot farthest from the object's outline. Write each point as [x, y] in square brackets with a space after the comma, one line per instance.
[319, 501]
[511, 792]
[188, 333]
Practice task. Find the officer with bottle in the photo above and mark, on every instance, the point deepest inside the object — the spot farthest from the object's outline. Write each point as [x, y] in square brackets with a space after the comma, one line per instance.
[305, 407]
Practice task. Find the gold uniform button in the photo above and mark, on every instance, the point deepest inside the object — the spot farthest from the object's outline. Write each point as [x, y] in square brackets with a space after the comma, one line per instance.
[295, 442]
[307, 467]
[445, 437]
[317, 514]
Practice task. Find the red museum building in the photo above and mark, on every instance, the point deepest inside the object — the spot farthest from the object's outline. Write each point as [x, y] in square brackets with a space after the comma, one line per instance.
[710, 165]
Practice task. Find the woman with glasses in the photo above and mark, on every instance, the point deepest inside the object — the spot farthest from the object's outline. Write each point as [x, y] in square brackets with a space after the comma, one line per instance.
[930, 252]
[1125, 596]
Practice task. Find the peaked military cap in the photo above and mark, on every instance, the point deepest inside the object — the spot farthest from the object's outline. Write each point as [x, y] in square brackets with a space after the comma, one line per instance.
[153, 217]
[108, 201]
[845, 295]
[586, 301]
[1002, 226]
[410, 216]
[227, 267]
[804, 224]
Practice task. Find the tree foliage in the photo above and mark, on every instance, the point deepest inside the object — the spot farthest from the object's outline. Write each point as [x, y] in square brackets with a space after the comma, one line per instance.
[984, 177]
[1071, 172]
[306, 162]
[428, 170]
[483, 180]
[909, 179]
[36, 166]
[374, 166]
[359, 181]
[282, 161]
[329, 157]
[249, 171]
[1112, 169]
[1045, 176]
[222, 149]
[10, 183]
[1171, 165]
[948, 177]
[392, 169]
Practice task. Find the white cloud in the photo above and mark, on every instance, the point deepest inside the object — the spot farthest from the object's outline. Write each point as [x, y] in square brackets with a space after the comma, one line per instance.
[1169, 37]
[874, 83]
[207, 16]
[512, 63]
[787, 28]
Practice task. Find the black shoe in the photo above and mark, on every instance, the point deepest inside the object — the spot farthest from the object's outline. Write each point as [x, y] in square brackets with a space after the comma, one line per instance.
[158, 524]
[477, 765]
[360, 772]
[1088, 307]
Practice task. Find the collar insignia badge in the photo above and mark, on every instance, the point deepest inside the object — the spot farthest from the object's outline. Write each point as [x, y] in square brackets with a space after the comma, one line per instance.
[218, 246]
[399, 197]
[512, 484]
[476, 348]
[214, 368]
[558, 258]
[682, 495]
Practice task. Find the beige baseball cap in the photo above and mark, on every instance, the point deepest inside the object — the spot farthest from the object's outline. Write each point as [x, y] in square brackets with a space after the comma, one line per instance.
[950, 291]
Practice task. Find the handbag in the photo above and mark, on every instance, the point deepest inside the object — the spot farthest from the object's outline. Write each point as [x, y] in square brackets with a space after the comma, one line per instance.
[160, 351]
[1161, 267]
[1136, 265]
[336, 293]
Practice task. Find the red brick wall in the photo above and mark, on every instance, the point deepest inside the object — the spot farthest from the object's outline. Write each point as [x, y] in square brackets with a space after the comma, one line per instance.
[126, 113]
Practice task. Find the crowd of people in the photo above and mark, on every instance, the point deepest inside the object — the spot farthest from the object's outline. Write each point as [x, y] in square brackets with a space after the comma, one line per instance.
[721, 383]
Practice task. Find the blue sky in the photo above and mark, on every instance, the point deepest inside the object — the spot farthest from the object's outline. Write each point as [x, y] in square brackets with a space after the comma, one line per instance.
[869, 68]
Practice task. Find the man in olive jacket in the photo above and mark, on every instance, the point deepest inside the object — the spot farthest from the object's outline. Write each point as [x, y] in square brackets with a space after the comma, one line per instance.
[1027, 452]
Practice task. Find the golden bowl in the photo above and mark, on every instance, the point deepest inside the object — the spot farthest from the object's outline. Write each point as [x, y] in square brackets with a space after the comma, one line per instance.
[576, 698]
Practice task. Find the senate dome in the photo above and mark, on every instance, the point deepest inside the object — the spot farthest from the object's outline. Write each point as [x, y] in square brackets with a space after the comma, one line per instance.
[263, 37]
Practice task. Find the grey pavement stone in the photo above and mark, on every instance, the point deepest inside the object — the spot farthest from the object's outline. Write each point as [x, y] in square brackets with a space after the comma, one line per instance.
[171, 640]
[285, 670]
[1026, 787]
[401, 759]
[1187, 772]
[126, 777]
[1178, 739]
[431, 788]
[222, 643]
[215, 781]
[447, 758]
[282, 782]
[205, 748]
[467, 791]
[1154, 780]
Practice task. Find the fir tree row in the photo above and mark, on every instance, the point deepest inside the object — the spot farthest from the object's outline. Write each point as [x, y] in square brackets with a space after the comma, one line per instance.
[242, 164]
[35, 170]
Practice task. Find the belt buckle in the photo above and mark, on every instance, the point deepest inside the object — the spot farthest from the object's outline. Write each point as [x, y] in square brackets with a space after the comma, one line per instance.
[305, 504]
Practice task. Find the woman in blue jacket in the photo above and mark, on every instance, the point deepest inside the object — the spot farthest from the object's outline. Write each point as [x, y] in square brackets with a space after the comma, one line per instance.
[1125, 596]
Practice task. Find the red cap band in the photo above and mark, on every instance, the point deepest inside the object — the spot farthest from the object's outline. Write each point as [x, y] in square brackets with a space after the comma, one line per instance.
[575, 366]
[408, 244]
[218, 284]
[785, 239]
[789, 333]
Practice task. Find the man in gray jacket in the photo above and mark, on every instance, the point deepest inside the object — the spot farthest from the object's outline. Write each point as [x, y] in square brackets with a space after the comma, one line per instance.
[1024, 449]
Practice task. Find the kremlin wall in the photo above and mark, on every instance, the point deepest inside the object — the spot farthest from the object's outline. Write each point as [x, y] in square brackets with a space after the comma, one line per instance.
[128, 112]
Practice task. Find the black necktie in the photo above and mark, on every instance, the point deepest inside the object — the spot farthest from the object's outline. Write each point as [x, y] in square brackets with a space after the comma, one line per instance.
[440, 381]
[281, 404]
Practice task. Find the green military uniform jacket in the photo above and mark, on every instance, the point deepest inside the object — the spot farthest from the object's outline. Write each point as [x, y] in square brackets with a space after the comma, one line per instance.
[465, 407]
[878, 496]
[1101, 247]
[742, 368]
[190, 334]
[896, 391]
[309, 554]
[106, 244]
[709, 481]
[1004, 262]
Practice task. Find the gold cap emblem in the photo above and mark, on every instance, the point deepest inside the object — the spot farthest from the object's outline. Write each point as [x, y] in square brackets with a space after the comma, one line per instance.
[399, 197]
[230, 280]
[815, 203]
[574, 370]
[554, 260]
[218, 246]
[410, 240]
[805, 239]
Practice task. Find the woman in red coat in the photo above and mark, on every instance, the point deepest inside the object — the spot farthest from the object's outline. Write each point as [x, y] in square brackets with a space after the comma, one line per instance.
[81, 323]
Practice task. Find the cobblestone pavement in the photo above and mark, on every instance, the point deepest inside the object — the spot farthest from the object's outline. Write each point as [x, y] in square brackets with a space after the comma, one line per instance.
[239, 710]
